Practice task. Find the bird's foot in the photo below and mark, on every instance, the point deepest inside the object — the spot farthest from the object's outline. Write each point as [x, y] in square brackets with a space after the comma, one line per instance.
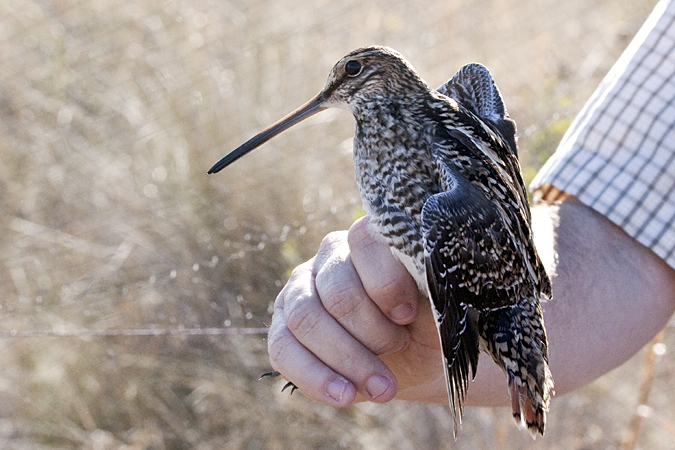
[275, 373]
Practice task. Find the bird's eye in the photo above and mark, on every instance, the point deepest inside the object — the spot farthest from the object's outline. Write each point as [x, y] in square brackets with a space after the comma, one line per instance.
[353, 68]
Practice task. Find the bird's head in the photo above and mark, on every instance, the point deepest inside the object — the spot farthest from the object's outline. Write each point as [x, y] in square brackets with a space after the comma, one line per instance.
[368, 74]
[356, 81]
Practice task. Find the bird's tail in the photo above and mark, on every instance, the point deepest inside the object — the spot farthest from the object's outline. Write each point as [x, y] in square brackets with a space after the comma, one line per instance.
[515, 337]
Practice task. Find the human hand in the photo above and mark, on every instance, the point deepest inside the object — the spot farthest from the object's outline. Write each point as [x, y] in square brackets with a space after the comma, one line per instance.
[336, 332]
[351, 325]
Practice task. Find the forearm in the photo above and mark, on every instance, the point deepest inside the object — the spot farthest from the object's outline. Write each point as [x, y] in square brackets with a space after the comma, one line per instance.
[611, 295]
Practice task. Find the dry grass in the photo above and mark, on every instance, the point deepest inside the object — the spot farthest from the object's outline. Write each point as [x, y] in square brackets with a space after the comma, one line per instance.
[111, 114]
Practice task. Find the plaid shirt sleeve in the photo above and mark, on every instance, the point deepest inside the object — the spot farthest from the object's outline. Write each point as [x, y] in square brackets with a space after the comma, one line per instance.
[618, 157]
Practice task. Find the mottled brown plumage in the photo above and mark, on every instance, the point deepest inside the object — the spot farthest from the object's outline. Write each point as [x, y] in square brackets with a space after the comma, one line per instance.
[439, 177]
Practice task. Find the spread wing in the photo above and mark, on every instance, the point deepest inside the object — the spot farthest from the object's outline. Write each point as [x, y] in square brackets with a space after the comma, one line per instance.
[465, 241]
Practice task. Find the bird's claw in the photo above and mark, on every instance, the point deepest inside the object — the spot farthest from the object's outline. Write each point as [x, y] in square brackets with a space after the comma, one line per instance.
[289, 385]
[272, 374]
[275, 373]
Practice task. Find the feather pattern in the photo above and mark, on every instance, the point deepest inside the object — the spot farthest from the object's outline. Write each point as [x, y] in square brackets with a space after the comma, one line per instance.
[441, 181]
[439, 176]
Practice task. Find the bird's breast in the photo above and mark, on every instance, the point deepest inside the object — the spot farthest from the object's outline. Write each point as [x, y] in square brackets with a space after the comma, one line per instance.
[394, 185]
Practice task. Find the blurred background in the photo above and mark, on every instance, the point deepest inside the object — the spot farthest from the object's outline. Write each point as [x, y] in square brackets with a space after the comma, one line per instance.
[110, 114]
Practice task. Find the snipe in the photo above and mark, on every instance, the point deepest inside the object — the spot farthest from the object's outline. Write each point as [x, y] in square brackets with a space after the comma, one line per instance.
[439, 177]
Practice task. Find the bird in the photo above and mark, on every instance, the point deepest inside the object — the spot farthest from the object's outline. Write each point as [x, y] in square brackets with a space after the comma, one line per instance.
[439, 176]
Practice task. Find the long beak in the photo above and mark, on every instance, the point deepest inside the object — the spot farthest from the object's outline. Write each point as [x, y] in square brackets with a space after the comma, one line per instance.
[310, 108]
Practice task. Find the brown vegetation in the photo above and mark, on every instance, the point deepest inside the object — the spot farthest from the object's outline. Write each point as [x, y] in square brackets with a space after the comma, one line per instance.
[111, 113]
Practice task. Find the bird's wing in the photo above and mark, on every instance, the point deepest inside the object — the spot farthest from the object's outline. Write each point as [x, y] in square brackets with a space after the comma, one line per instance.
[465, 241]
[474, 89]
[458, 149]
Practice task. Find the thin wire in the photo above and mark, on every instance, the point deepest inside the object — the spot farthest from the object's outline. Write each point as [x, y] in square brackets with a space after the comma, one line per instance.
[149, 332]
[133, 332]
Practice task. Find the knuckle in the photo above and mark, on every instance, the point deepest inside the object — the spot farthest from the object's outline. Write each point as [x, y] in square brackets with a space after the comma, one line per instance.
[280, 300]
[330, 241]
[339, 299]
[278, 344]
[299, 271]
[299, 280]
[386, 345]
[301, 314]
[390, 288]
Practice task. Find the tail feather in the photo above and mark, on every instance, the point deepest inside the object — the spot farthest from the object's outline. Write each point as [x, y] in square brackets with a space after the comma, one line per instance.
[525, 413]
[460, 365]
[515, 337]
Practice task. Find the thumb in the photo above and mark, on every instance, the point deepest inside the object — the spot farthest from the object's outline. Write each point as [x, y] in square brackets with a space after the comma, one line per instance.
[384, 277]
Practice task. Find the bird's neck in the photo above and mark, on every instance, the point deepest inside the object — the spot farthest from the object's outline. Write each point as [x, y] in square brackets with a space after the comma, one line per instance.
[388, 127]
